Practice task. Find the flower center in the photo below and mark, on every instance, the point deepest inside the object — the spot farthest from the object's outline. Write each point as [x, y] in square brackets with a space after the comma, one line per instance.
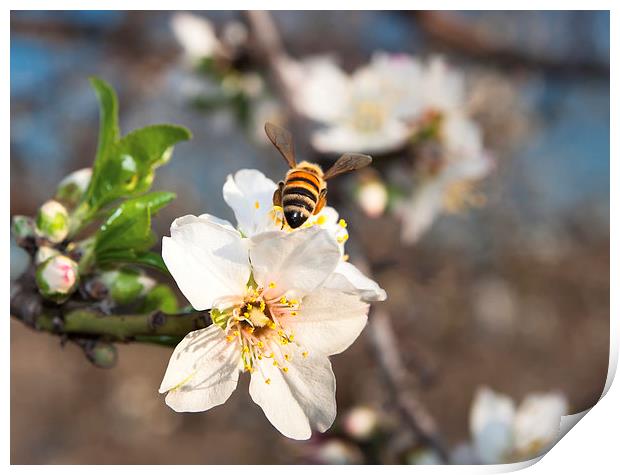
[368, 116]
[256, 325]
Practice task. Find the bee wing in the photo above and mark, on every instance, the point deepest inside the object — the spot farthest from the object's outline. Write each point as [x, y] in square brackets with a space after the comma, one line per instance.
[283, 141]
[347, 163]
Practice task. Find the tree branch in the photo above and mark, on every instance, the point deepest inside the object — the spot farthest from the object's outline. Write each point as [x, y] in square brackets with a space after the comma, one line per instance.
[83, 319]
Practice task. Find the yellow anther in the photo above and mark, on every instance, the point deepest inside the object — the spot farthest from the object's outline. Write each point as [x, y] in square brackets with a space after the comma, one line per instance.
[272, 285]
[293, 314]
[285, 369]
[284, 341]
[246, 315]
[342, 223]
[294, 302]
[262, 306]
[280, 333]
[271, 325]
[260, 357]
[305, 354]
[342, 239]
[268, 381]
[251, 329]
[275, 363]
[256, 204]
[246, 349]
[345, 258]
[236, 333]
[283, 300]
[291, 337]
[230, 338]
[249, 307]
[271, 355]
[287, 357]
[261, 344]
[321, 220]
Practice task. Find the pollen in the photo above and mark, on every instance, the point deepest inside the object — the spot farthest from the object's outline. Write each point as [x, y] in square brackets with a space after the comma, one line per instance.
[275, 363]
[268, 381]
[230, 338]
[321, 220]
[256, 204]
[287, 357]
[342, 239]
[294, 302]
[236, 333]
[283, 300]
[305, 354]
[285, 369]
[272, 285]
[293, 314]
[342, 223]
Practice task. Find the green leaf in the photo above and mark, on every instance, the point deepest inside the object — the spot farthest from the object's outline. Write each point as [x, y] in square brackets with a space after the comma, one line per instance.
[161, 297]
[130, 256]
[108, 119]
[125, 167]
[126, 235]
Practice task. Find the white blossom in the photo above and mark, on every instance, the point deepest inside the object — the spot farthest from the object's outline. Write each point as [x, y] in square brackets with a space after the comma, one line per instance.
[505, 433]
[272, 315]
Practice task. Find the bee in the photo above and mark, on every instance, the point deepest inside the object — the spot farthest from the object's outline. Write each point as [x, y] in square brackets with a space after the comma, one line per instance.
[303, 192]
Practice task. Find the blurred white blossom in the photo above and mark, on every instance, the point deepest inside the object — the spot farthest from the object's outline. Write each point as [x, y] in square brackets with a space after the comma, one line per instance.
[504, 433]
[196, 36]
[446, 181]
[338, 452]
[367, 111]
[361, 422]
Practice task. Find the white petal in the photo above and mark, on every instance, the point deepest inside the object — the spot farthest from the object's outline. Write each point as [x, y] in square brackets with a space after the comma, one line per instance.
[301, 260]
[299, 400]
[208, 261]
[214, 219]
[490, 421]
[250, 195]
[348, 279]
[419, 211]
[343, 138]
[442, 88]
[203, 371]
[537, 423]
[329, 321]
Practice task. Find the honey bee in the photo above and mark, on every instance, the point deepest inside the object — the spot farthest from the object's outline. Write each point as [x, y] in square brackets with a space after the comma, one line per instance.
[303, 192]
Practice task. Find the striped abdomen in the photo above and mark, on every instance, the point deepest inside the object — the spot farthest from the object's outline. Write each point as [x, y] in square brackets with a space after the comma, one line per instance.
[300, 196]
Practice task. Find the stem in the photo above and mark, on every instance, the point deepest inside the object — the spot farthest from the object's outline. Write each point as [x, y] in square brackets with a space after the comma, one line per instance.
[83, 320]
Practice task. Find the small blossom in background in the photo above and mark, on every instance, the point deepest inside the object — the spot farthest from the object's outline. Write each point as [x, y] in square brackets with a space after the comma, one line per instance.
[371, 195]
[361, 423]
[196, 36]
[337, 452]
[503, 433]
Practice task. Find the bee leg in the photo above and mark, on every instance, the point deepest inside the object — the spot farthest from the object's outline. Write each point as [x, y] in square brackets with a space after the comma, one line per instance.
[277, 195]
[322, 201]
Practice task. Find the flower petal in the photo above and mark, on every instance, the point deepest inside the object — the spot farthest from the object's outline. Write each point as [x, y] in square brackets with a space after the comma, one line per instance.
[419, 211]
[299, 400]
[203, 371]
[214, 219]
[348, 279]
[537, 423]
[490, 421]
[329, 321]
[250, 195]
[206, 259]
[301, 260]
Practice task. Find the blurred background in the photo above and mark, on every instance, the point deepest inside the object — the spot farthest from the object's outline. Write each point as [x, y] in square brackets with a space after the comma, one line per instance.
[513, 294]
